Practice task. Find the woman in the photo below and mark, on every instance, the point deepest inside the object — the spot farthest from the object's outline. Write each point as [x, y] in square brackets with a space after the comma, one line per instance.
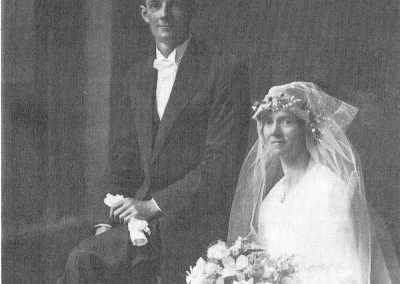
[317, 211]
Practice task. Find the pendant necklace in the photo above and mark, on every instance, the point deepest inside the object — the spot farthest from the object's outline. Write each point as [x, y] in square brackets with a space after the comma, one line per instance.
[283, 199]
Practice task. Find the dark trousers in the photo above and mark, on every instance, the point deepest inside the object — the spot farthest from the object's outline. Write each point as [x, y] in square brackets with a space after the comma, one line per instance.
[111, 258]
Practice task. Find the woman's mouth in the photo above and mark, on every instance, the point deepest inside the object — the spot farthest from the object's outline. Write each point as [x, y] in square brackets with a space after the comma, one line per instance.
[278, 142]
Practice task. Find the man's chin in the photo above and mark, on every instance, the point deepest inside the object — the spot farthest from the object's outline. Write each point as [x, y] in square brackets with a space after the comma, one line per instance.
[166, 34]
[171, 37]
[167, 39]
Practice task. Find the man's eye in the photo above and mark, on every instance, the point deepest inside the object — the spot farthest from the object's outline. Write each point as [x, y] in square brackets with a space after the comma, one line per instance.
[288, 121]
[155, 4]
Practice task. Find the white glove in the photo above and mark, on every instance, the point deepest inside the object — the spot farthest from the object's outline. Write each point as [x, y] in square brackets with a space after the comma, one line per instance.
[136, 227]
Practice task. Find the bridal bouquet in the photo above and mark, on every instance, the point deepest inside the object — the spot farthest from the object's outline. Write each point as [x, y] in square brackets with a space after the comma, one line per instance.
[242, 263]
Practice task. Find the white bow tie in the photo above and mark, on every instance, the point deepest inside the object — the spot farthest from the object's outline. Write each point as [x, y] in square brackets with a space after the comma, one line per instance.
[162, 64]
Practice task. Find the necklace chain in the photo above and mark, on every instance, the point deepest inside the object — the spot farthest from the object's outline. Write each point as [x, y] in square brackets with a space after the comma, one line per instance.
[283, 199]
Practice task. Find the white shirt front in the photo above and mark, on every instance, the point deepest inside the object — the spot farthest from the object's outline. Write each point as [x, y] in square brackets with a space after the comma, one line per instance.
[167, 69]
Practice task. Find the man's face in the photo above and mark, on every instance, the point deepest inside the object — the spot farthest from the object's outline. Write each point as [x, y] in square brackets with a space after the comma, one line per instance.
[169, 20]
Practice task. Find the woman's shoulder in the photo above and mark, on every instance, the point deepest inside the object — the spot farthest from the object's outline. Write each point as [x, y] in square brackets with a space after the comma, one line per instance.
[325, 183]
[327, 196]
[332, 190]
[322, 175]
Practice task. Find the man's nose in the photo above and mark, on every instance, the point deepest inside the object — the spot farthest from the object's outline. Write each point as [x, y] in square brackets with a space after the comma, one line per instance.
[165, 10]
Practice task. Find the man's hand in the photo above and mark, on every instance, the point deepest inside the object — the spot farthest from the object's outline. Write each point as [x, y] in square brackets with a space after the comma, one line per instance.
[129, 208]
[101, 229]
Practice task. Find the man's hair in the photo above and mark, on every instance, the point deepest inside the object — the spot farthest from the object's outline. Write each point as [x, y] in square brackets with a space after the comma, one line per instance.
[192, 3]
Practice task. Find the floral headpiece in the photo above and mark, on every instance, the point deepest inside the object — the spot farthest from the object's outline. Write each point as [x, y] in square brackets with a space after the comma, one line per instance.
[293, 104]
[278, 103]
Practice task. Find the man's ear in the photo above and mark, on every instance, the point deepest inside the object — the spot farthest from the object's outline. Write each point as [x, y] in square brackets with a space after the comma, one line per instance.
[143, 13]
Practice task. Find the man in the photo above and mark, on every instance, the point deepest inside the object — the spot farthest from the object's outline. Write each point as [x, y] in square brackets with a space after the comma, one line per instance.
[178, 162]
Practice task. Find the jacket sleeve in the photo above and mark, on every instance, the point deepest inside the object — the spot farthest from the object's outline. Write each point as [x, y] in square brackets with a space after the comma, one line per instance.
[209, 188]
[123, 173]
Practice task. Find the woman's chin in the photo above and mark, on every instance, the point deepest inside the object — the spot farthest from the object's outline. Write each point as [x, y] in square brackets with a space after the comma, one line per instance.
[274, 151]
[277, 147]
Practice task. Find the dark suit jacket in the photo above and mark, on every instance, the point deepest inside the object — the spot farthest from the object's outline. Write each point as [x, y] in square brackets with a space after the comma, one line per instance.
[192, 170]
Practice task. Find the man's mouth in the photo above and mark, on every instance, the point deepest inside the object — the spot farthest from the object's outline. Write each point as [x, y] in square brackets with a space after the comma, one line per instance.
[164, 25]
[278, 142]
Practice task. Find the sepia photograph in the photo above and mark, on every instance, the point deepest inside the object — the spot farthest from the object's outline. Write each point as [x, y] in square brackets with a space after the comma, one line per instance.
[200, 141]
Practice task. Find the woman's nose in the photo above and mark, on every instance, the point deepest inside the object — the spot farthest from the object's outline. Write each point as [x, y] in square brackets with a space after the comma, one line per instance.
[276, 129]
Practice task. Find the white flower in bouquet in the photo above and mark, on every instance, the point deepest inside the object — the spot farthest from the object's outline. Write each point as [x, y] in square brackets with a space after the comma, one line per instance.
[238, 244]
[250, 281]
[212, 269]
[228, 261]
[229, 265]
[196, 274]
[235, 252]
[200, 264]
[240, 276]
[289, 280]
[228, 272]
[194, 278]
[268, 270]
[242, 262]
[218, 251]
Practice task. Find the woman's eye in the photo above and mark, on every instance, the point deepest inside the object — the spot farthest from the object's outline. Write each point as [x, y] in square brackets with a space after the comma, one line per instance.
[288, 121]
[268, 121]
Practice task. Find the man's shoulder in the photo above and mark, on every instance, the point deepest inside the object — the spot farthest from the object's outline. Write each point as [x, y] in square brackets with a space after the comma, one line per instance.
[221, 56]
[209, 54]
[226, 63]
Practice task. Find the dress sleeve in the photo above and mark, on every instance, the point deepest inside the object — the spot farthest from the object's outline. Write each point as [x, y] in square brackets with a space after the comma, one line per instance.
[335, 257]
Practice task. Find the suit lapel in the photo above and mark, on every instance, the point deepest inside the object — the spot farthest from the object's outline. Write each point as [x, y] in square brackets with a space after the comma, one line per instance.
[186, 83]
[146, 88]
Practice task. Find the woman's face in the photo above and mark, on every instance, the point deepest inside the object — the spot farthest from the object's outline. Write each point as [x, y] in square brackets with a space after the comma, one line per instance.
[284, 134]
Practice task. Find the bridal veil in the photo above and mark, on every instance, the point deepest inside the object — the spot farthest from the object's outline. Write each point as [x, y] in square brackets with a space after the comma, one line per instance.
[327, 119]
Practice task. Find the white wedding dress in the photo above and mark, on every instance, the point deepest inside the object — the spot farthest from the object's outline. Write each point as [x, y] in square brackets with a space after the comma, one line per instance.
[314, 223]
[325, 220]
